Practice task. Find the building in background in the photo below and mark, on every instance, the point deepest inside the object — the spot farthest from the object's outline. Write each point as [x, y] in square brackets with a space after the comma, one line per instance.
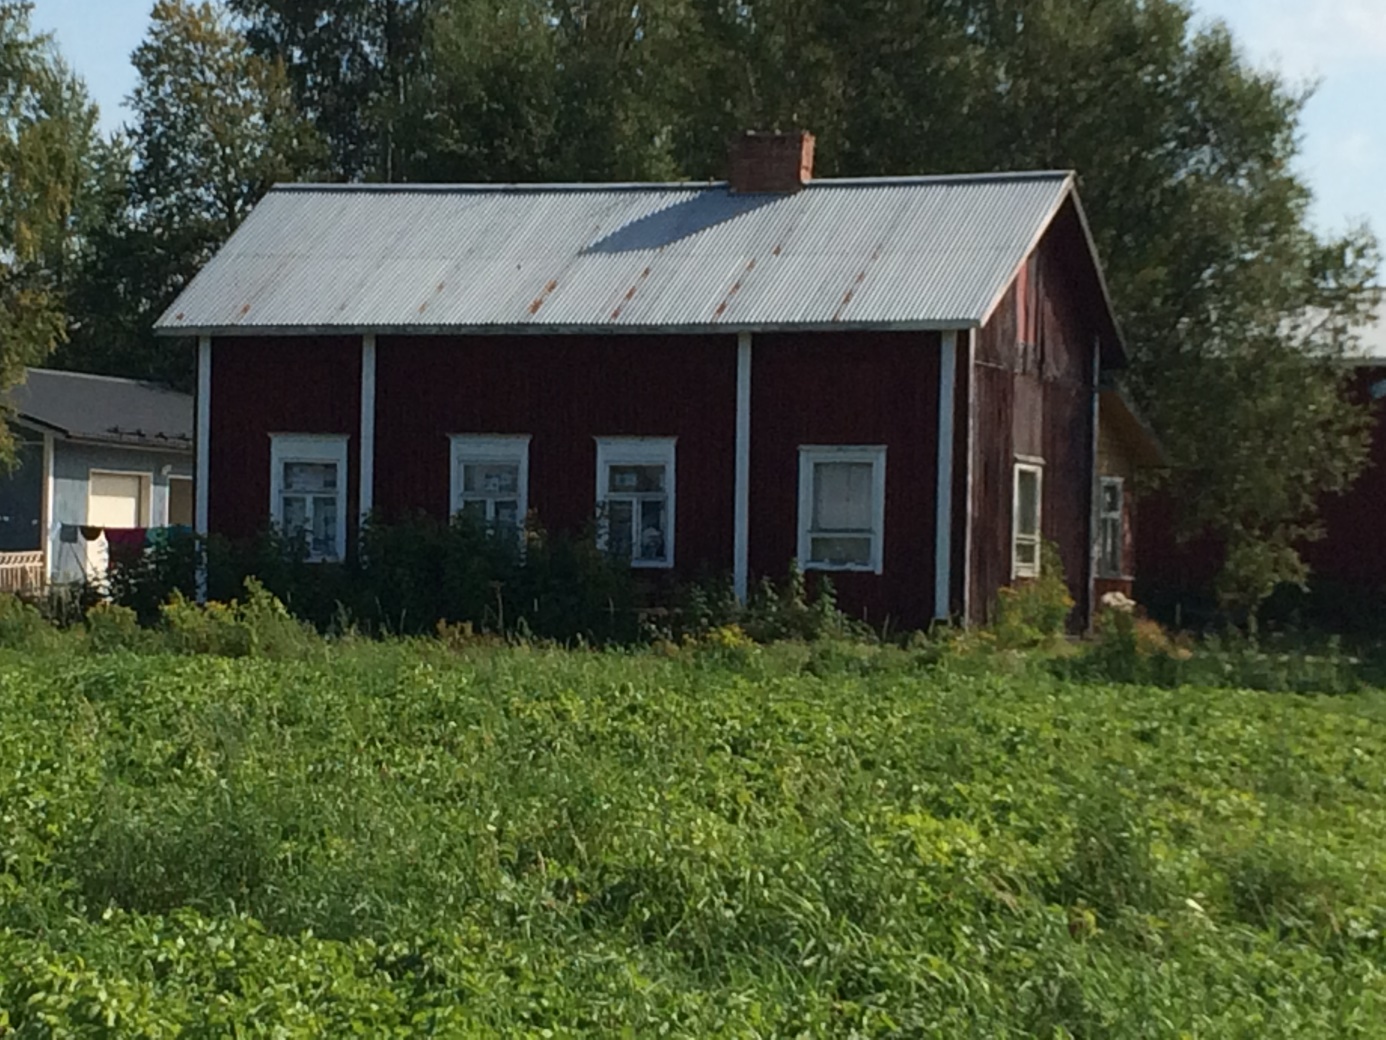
[99, 460]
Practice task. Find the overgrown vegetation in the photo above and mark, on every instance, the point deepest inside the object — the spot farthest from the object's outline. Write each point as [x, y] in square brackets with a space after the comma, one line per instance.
[715, 838]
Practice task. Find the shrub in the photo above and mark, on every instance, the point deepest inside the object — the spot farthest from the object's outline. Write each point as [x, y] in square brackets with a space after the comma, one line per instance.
[1034, 612]
[406, 578]
[22, 627]
[111, 628]
[214, 628]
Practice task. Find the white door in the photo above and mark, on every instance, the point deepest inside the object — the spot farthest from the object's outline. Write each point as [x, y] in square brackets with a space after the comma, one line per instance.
[113, 500]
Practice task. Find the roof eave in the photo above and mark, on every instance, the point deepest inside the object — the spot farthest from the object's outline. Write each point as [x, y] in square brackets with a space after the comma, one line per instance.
[1070, 191]
[536, 329]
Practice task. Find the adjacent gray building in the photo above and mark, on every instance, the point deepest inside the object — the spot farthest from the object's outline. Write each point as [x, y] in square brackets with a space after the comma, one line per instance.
[96, 454]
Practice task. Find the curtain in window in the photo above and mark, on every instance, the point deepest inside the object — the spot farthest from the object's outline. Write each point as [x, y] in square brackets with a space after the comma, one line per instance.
[842, 496]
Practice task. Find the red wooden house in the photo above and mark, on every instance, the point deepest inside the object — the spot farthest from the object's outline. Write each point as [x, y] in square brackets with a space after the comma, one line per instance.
[1351, 557]
[895, 380]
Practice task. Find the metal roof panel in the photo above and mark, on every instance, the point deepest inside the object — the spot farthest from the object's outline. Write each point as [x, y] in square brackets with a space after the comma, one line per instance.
[903, 252]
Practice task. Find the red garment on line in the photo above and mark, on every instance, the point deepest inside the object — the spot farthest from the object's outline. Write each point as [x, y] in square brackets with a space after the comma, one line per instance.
[126, 539]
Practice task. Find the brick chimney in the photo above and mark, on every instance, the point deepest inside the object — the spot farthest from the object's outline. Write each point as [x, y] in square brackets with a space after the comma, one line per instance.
[771, 162]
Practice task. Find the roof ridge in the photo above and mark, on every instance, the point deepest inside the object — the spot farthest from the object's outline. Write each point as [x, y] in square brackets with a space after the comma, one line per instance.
[999, 176]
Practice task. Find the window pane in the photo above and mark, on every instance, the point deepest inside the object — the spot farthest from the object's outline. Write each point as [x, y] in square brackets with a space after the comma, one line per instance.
[310, 476]
[1026, 554]
[619, 521]
[841, 552]
[842, 496]
[653, 513]
[324, 536]
[1027, 504]
[491, 478]
[1111, 545]
[474, 509]
[1111, 497]
[295, 514]
[636, 478]
[508, 512]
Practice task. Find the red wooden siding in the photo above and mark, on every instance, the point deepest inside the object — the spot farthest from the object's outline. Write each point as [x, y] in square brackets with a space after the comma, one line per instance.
[846, 389]
[563, 391]
[1353, 550]
[1347, 566]
[1036, 398]
[264, 386]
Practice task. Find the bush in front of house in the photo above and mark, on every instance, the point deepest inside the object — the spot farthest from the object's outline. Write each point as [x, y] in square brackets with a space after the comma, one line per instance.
[405, 579]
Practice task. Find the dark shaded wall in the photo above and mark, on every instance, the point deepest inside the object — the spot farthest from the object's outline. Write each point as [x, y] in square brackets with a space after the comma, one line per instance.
[851, 389]
[564, 391]
[21, 497]
[1034, 370]
[263, 386]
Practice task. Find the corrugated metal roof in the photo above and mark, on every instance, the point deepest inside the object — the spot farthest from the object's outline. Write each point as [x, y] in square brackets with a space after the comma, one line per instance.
[924, 252]
[104, 408]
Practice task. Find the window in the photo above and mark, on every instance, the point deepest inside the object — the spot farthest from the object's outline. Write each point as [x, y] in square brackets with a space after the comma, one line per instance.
[490, 478]
[180, 502]
[308, 491]
[1110, 527]
[841, 508]
[635, 499]
[1025, 529]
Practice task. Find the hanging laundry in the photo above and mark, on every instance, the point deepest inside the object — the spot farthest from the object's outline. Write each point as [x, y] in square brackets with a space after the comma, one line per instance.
[127, 540]
[91, 534]
[67, 534]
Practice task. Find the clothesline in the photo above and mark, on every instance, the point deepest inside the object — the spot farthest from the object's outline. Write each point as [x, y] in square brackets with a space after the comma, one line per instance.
[116, 537]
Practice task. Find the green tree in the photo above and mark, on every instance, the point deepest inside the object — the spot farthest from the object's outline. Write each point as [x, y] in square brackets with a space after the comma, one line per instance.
[1186, 157]
[214, 127]
[351, 64]
[47, 141]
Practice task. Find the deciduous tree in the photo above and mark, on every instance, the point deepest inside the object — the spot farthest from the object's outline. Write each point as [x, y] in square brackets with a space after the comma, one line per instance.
[47, 139]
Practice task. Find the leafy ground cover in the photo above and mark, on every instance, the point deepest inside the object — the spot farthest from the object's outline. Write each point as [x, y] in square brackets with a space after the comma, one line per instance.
[399, 839]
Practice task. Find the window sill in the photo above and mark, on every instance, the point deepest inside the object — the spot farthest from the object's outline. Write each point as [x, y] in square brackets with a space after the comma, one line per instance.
[842, 568]
[651, 565]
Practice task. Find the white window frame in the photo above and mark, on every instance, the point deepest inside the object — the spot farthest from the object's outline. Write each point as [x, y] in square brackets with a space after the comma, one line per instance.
[503, 449]
[1019, 570]
[811, 455]
[310, 448]
[1119, 515]
[638, 451]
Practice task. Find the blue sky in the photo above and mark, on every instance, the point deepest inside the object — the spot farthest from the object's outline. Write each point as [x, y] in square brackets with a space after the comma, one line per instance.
[1340, 44]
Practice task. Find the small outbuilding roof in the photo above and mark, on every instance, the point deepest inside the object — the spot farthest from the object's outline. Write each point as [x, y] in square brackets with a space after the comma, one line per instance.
[884, 253]
[87, 407]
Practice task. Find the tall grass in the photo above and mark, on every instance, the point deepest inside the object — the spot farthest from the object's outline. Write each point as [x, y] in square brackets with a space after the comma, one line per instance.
[788, 841]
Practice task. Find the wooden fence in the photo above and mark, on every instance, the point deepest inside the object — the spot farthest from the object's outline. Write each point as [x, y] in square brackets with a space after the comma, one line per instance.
[21, 571]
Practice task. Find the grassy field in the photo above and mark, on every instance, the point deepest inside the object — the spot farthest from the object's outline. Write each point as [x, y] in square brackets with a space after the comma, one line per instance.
[395, 840]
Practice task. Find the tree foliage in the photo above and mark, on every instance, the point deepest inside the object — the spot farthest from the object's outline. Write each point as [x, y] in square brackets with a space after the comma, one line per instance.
[214, 126]
[47, 136]
[1234, 307]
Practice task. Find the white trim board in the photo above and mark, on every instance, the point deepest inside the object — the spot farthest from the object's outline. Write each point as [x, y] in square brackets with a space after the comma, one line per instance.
[365, 484]
[741, 538]
[943, 492]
